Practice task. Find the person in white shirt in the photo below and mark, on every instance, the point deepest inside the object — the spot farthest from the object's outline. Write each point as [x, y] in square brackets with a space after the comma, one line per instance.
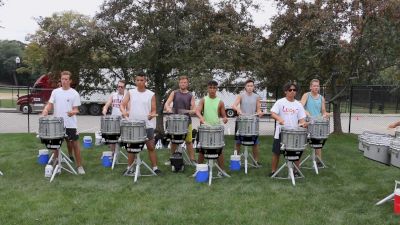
[65, 101]
[142, 104]
[115, 101]
[288, 112]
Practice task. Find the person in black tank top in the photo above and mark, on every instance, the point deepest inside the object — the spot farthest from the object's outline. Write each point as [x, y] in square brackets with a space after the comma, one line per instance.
[183, 103]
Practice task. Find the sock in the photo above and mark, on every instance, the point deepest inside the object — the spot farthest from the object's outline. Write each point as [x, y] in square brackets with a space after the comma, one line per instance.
[155, 168]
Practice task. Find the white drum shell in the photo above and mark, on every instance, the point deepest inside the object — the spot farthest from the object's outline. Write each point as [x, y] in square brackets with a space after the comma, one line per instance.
[294, 139]
[211, 137]
[248, 126]
[51, 128]
[133, 131]
[110, 124]
[177, 124]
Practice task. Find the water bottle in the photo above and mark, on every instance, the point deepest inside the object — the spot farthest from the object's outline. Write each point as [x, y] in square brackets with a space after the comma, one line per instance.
[48, 171]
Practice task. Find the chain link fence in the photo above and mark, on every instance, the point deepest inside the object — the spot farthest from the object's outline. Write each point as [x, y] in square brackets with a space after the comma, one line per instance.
[362, 108]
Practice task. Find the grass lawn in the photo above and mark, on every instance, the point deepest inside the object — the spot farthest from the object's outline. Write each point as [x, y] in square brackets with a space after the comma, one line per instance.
[345, 193]
[8, 103]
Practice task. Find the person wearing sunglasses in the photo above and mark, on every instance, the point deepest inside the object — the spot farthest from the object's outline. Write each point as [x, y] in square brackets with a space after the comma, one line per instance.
[288, 112]
[314, 104]
[114, 101]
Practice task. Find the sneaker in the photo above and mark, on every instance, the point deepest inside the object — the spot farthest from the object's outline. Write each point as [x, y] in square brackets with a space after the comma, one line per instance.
[296, 173]
[258, 164]
[72, 158]
[319, 164]
[157, 171]
[219, 174]
[81, 171]
[129, 173]
[194, 162]
[167, 163]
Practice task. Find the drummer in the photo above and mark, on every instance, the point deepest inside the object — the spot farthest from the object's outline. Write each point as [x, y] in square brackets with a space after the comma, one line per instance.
[142, 104]
[250, 104]
[114, 101]
[289, 112]
[65, 101]
[209, 110]
[183, 103]
[314, 104]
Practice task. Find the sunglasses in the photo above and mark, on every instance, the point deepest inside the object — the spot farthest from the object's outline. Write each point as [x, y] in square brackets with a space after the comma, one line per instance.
[120, 86]
[290, 90]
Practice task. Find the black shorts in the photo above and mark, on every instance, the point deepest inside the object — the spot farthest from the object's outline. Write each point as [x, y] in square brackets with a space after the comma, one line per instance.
[276, 146]
[72, 134]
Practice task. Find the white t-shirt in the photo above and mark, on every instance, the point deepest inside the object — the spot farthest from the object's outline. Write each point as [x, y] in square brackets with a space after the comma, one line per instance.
[63, 101]
[116, 102]
[140, 107]
[290, 112]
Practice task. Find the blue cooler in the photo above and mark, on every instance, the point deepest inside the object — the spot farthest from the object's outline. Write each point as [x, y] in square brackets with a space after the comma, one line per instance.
[87, 141]
[43, 156]
[235, 163]
[106, 159]
[201, 173]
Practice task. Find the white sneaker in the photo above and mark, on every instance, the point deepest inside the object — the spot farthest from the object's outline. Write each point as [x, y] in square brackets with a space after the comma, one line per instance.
[81, 171]
[167, 163]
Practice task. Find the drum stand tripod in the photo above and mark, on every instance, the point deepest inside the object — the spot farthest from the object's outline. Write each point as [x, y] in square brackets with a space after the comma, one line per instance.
[181, 148]
[391, 196]
[211, 164]
[291, 166]
[137, 163]
[314, 158]
[117, 152]
[253, 162]
[62, 158]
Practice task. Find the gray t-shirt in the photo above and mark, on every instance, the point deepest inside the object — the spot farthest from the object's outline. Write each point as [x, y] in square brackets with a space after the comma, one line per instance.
[248, 103]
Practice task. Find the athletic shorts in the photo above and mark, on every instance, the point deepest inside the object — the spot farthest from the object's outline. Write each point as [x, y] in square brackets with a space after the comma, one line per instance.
[72, 134]
[189, 134]
[150, 133]
[276, 146]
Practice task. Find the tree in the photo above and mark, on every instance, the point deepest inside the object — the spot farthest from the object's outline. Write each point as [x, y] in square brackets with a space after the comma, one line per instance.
[9, 50]
[69, 41]
[168, 38]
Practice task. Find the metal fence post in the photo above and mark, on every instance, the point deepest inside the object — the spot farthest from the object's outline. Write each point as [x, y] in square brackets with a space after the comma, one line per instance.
[350, 105]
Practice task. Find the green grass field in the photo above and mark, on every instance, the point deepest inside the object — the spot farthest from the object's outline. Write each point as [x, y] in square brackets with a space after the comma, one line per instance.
[344, 193]
[8, 103]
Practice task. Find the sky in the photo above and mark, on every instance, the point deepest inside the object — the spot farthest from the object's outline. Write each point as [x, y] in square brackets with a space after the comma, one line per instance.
[17, 16]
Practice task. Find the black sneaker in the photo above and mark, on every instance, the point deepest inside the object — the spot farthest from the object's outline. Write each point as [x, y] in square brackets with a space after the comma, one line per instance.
[129, 173]
[157, 171]
[319, 164]
[270, 174]
[296, 173]
[72, 158]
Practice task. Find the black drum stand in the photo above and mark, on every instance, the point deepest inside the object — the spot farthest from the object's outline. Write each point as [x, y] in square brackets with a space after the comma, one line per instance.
[246, 142]
[210, 162]
[391, 196]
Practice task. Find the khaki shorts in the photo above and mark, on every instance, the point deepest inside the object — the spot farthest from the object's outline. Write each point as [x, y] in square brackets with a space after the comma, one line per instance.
[189, 134]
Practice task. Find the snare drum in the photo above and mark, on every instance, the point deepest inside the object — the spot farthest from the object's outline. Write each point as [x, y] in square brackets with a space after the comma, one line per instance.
[51, 128]
[247, 129]
[211, 140]
[133, 131]
[377, 149]
[395, 152]
[318, 128]
[362, 139]
[110, 127]
[177, 127]
[294, 142]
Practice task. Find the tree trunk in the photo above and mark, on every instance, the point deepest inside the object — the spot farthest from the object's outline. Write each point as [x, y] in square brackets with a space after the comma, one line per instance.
[160, 93]
[337, 121]
[15, 78]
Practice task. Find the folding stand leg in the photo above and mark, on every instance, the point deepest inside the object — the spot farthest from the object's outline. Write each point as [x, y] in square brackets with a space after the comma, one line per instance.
[313, 156]
[291, 166]
[246, 154]
[116, 156]
[65, 156]
[186, 158]
[389, 197]
[62, 158]
[138, 162]
[210, 169]
[1, 173]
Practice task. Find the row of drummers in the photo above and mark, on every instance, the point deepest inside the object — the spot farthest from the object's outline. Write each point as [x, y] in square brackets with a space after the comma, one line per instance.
[381, 147]
[113, 129]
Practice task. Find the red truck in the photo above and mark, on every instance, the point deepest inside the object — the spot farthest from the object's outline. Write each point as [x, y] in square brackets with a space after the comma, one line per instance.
[40, 93]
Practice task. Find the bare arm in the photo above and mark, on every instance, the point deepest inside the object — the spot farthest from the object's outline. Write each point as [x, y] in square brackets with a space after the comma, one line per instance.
[124, 105]
[235, 105]
[394, 124]
[74, 111]
[277, 118]
[258, 107]
[302, 123]
[107, 105]
[303, 101]
[153, 112]
[167, 106]
[47, 108]
[199, 108]
[323, 109]
[192, 106]
[222, 112]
